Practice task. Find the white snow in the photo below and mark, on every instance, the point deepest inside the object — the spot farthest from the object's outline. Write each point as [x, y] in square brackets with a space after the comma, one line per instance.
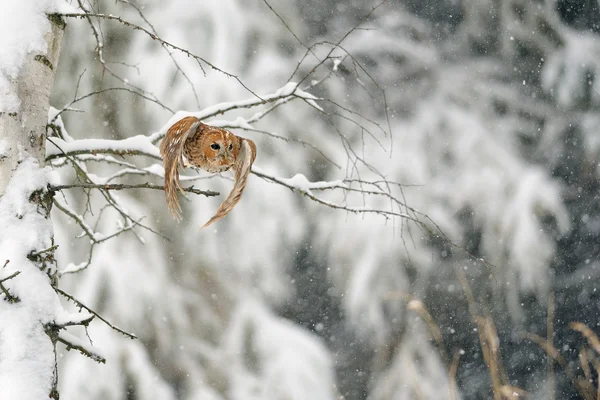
[449, 140]
[289, 89]
[3, 148]
[95, 352]
[26, 357]
[239, 122]
[301, 183]
[63, 317]
[23, 24]
[287, 361]
[565, 74]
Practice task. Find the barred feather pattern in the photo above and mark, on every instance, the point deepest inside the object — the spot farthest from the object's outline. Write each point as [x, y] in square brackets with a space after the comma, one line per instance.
[191, 142]
[171, 151]
[241, 170]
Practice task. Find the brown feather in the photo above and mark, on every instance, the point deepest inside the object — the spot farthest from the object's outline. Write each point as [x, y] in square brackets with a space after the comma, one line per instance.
[210, 148]
[241, 170]
[171, 150]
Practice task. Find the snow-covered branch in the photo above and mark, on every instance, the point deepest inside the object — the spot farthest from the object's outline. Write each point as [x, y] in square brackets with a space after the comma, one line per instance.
[120, 186]
[298, 183]
[7, 295]
[72, 342]
[133, 146]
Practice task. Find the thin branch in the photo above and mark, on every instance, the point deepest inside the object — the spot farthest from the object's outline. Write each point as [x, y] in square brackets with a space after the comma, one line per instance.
[72, 269]
[163, 42]
[118, 186]
[99, 43]
[103, 146]
[39, 253]
[67, 107]
[81, 348]
[339, 42]
[287, 26]
[9, 297]
[84, 322]
[96, 237]
[140, 143]
[81, 305]
[187, 78]
[355, 210]
[70, 213]
[13, 275]
[288, 140]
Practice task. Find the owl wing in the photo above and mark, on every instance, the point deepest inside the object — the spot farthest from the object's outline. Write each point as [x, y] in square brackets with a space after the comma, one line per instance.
[171, 150]
[241, 170]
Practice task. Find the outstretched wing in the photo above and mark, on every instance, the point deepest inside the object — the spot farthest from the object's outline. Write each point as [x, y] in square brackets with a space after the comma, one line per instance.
[241, 170]
[171, 150]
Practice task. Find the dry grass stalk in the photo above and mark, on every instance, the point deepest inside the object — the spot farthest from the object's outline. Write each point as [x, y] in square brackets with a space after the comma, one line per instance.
[583, 385]
[452, 375]
[418, 306]
[490, 346]
[489, 342]
[597, 367]
[585, 364]
[594, 344]
[550, 338]
[512, 393]
[591, 337]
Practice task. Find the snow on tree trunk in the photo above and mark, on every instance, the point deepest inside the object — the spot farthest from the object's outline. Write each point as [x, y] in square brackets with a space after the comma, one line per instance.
[30, 311]
[23, 129]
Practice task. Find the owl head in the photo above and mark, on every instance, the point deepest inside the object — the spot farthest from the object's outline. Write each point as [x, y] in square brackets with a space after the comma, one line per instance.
[220, 149]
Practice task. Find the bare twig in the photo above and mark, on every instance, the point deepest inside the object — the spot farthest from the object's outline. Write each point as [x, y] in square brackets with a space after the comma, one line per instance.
[9, 297]
[112, 89]
[83, 322]
[13, 275]
[102, 147]
[355, 210]
[81, 305]
[289, 140]
[120, 186]
[39, 253]
[187, 78]
[81, 348]
[163, 42]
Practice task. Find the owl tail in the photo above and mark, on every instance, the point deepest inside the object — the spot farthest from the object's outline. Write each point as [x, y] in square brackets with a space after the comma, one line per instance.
[171, 150]
[241, 170]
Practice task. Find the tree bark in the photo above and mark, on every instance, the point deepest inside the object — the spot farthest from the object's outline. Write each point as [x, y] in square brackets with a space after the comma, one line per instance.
[24, 132]
[29, 335]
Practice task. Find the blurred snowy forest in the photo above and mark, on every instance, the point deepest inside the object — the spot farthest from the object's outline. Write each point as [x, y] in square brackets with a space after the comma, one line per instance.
[483, 121]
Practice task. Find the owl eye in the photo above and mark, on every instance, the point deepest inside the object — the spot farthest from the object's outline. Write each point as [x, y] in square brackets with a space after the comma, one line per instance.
[230, 147]
[215, 146]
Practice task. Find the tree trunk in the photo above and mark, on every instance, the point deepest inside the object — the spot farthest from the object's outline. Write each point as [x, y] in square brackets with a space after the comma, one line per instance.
[29, 305]
[24, 132]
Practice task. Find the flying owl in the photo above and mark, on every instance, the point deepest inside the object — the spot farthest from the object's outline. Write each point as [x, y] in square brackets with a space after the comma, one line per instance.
[189, 142]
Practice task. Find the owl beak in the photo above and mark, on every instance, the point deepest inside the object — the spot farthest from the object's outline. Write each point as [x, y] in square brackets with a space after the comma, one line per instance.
[225, 155]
